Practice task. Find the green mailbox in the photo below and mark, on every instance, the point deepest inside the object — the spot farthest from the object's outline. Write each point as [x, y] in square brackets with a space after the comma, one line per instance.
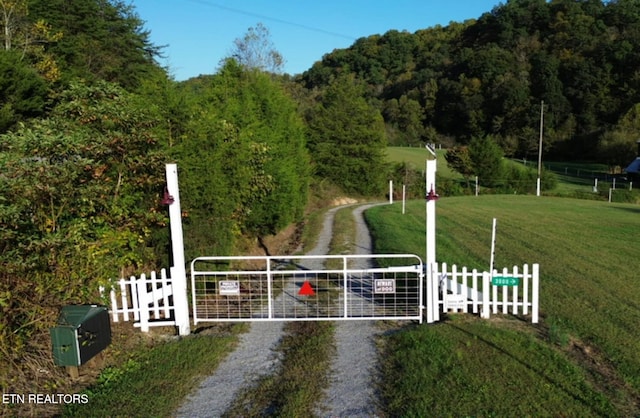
[82, 332]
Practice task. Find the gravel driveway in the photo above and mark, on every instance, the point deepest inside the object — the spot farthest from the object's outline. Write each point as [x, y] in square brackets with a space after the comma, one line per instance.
[351, 391]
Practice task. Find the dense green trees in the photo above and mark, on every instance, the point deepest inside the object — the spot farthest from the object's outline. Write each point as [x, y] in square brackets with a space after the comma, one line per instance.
[244, 159]
[488, 76]
[346, 138]
[486, 160]
[24, 92]
[88, 119]
[100, 40]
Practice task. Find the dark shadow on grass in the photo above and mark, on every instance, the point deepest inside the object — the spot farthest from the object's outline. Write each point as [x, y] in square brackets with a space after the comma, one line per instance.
[628, 209]
[524, 364]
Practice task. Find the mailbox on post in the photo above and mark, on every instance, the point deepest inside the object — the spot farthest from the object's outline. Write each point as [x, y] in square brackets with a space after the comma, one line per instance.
[82, 332]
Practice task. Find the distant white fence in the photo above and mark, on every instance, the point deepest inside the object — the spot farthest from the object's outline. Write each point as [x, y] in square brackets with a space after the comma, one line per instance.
[146, 300]
[460, 290]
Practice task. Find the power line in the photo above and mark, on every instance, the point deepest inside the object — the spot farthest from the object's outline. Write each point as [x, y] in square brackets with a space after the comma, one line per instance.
[272, 19]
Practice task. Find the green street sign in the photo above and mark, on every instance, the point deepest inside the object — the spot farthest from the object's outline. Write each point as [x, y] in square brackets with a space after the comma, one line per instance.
[505, 281]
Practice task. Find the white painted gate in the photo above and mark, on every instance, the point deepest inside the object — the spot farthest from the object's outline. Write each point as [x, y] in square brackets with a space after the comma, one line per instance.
[147, 300]
[299, 288]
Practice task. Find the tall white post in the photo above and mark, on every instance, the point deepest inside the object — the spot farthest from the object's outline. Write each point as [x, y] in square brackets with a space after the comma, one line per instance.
[178, 272]
[430, 261]
[431, 214]
[540, 148]
[390, 191]
[493, 247]
[404, 195]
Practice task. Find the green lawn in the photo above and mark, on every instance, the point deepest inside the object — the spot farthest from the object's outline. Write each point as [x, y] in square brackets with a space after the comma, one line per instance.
[581, 360]
[415, 157]
[575, 179]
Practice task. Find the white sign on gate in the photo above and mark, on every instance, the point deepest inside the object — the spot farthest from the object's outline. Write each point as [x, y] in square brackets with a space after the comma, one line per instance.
[229, 287]
[384, 286]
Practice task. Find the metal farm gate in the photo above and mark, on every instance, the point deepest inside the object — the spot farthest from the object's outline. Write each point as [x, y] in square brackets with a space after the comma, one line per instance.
[303, 288]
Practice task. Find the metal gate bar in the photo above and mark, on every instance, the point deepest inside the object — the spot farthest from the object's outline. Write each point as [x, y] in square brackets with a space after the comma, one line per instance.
[303, 288]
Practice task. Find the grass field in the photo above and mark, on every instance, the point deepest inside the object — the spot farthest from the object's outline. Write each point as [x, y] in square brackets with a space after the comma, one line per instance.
[575, 179]
[416, 157]
[581, 360]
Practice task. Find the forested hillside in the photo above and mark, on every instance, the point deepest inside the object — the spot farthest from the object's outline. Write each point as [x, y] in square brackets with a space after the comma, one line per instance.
[88, 118]
[490, 75]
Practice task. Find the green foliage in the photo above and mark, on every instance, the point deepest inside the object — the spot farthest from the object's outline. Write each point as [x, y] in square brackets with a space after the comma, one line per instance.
[346, 138]
[404, 174]
[618, 146]
[486, 159]
[101, 40]
[458, 159]
[488, 76]
[245, 164]
[22, 91]
[79, 201]
[523, 180]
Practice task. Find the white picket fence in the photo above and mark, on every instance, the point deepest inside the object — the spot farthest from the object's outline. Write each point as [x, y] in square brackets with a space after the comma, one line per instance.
[148, 300]
[460, 290]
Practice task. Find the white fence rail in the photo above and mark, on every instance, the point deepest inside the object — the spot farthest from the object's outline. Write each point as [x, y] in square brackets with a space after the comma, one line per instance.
[460, 290]
[146, 300]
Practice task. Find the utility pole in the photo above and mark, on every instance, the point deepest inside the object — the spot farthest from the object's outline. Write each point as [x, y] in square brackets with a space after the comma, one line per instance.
[540, 147]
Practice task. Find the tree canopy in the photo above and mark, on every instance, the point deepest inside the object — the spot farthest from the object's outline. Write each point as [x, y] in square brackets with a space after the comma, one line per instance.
[346, 138]
[488, 76]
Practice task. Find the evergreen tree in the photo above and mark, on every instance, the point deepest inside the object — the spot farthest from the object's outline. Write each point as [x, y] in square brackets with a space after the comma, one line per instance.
[346, 138]
[486, 157]
[101, 40]
[23, 91]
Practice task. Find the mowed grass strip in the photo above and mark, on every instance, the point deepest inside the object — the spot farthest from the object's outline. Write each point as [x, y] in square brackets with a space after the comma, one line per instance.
[297, 387]
[589, 291]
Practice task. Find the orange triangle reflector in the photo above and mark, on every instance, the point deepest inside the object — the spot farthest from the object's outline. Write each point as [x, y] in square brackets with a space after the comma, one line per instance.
[306, 289]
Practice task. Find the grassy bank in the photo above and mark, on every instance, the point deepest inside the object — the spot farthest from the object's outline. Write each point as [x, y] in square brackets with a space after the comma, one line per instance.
[581, 358]
[154, 381]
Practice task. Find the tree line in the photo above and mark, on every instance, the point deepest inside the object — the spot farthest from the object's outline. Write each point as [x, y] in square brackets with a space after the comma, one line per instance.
[490, 76]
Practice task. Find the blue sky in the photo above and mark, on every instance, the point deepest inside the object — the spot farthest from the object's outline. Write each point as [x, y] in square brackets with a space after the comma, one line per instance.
[199, 33]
